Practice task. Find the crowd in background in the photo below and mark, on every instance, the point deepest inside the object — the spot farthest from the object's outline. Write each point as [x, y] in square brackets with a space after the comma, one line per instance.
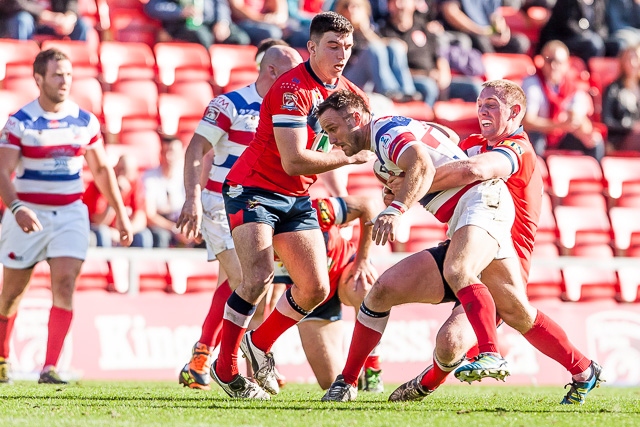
[405, 50]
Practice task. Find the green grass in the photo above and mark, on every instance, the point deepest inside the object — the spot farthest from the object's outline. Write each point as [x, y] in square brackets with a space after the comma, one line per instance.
[167, 404]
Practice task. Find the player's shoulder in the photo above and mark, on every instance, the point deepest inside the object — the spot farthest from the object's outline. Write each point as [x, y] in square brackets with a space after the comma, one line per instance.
[473, 140]
[518, 143]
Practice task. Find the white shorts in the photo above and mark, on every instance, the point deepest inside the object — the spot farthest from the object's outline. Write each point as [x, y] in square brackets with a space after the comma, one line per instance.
[215, 227]
[489, 206]
[65, 233]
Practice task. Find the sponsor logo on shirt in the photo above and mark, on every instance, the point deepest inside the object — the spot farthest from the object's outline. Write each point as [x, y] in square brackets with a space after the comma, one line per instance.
[385, 140]
[211, 115]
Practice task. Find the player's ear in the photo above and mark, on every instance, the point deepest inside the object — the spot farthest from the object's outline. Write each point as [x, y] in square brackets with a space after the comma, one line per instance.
[311, 47]
[515, 111]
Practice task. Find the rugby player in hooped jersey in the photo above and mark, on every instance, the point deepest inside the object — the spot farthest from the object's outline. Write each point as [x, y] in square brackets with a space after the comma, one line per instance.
[44, 143]
[268, 208]
[480, 216]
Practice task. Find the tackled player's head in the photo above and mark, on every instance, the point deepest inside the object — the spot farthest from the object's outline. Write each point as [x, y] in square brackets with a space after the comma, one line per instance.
[345, 116]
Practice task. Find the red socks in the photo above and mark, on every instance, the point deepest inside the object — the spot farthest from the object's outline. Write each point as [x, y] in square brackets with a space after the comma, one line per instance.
[481, 312]
[59, 324]
[434, 377]
[367, 339]
[372, 362]
[213, 321]
[6, 327]
[550, 339]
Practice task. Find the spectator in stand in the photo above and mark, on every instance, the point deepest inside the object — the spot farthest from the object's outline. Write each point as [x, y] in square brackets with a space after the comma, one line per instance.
[621, 103]
[580, 24]
[430, 71]
[264, 19]
[558, 108]
[164, 195]
[482, 21]
[22, 19]
[207, 24]
[376, 65]
[102, 216]
[623, 20]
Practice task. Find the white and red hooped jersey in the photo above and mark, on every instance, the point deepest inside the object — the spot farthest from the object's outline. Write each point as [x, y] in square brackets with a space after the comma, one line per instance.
[229, 124]
[52, 146]
[392, 135]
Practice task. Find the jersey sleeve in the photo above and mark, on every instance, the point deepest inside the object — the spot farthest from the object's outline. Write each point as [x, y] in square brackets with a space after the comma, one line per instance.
[331, 211]
[94, 131]
[217, 119]
[394, 143]
[11, 134]
[289, 104]
[514, 152]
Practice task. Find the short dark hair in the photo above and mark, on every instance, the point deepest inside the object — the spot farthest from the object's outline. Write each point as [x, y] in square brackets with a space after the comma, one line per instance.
[265, 44]
[340, 100]
[329, 22]
[43, 58]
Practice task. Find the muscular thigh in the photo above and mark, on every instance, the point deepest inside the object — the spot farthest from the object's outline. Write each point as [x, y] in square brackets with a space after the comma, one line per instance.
[414, 279]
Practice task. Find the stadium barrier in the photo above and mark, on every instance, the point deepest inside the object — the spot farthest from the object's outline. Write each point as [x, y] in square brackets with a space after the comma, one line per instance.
[148, 335]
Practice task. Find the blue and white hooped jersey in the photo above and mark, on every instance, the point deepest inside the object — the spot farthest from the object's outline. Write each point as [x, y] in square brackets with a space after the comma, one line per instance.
[52, 146]
[392, 135]
[229, 124]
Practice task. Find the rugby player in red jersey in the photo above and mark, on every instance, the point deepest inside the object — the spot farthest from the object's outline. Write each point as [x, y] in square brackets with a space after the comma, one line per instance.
[269, 209]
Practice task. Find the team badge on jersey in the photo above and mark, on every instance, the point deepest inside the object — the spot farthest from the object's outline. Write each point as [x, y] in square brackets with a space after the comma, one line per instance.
[513, 145]
[211, 115]
[385, 140]
[289, 101]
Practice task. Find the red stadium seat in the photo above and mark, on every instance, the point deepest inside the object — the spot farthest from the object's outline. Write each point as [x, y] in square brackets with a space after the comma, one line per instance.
[364, 183]
[128, 112]
[593, 200]
[88, 94]
[126, 61]
[460, 116]
[182, 62]
[153, 275]
[85, 61]
[146, 154]
[629, 281]
[199, 92]
[574, 174]
[131, 25]
[510, 66]
[623, 177]
[419, 230]
[95, 275]
[579, 225]
[24, 85]
[544, 281]
[626, 228]
[526, 23]
[145, 89]
[603, 71]
[417, 110]
[11, 102]
[193, 276]
[233, 66]
[583, 283]
[16, 58]
[179, 113]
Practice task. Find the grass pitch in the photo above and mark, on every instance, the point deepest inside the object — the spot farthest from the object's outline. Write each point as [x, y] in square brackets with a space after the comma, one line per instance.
[167, 404]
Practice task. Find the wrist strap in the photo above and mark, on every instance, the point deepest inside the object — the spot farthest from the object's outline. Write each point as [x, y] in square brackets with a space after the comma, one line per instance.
[401, 207]
[16, 205]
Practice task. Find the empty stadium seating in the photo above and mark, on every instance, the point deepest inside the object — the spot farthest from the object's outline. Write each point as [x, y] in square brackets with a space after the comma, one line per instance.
[233, 66]
[510, 66]
[126, 61]
[16, 58]
[182, 62]
[622, 175]
[85, 61]
[460, 116]
[574, 174]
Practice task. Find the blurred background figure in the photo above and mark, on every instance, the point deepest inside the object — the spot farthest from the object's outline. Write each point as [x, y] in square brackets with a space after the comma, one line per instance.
[376, 65]
[621, 103]
[483, 22]
[263, 19]
[558, 107]
[164, 195]
[623, 20]
[581, 25]
[208, 23]
[103, 218]
[22, 19]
